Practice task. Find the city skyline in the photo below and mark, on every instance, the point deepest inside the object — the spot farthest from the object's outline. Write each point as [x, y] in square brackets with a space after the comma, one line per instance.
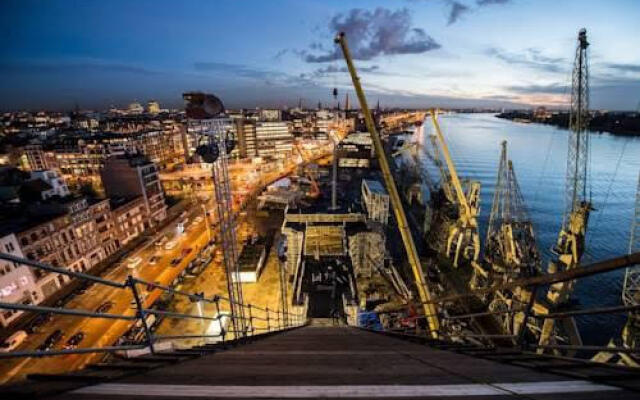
[412, 53]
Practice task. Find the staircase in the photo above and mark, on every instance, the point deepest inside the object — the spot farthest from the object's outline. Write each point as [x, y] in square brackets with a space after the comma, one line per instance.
[339, 362]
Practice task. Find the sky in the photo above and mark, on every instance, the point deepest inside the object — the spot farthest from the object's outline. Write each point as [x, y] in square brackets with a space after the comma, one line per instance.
[57, 55]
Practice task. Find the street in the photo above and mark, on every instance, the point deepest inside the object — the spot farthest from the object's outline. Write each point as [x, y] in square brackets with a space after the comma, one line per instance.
[105, 332]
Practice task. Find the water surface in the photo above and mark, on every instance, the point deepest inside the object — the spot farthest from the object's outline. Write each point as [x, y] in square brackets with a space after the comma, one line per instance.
[539, 154]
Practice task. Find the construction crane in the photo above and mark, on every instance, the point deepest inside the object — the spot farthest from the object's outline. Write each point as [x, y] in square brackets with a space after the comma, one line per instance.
[510, 247]
[631, 287]
[571, 239]
[424, 294]
[462, 238]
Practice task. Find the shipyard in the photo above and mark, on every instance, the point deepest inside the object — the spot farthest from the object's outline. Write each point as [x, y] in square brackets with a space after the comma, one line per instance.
[479, 237]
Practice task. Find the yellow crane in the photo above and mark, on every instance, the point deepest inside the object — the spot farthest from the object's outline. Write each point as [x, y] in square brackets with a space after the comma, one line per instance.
[463, 238]
[403, 226]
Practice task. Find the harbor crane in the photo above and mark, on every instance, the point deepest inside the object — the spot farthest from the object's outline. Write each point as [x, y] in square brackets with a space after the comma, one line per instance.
[510, 247]
[571, 239]
[424, 294]
[462, 237]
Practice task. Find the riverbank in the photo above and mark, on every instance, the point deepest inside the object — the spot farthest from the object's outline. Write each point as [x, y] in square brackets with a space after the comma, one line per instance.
[616, 123]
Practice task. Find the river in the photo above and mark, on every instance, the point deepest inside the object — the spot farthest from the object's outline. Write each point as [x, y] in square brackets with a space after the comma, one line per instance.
[539, 154]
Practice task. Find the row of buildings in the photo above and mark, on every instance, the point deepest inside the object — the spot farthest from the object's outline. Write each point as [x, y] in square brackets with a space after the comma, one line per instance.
[42, 220]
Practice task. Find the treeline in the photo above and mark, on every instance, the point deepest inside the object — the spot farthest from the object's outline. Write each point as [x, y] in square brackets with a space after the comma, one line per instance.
[618, 123]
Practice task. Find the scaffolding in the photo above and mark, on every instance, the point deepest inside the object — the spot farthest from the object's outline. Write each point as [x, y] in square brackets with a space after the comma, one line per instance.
[213, 132]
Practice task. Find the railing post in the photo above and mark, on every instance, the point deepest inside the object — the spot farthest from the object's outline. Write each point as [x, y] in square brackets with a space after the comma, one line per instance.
[251, 320]
[268, 323]
[223, 332]
[140, 312]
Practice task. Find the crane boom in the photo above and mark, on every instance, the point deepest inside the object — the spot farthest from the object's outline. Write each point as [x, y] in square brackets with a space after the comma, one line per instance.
[403, 225]
[462, 199]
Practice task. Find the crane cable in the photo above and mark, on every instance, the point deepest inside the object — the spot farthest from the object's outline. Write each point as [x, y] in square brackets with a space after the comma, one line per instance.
[606, 198]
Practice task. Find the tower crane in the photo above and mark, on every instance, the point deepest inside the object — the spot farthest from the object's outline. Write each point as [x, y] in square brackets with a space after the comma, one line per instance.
[571, 239]
[631, 287]
[424, 294]
[462, 236]
[510, 247]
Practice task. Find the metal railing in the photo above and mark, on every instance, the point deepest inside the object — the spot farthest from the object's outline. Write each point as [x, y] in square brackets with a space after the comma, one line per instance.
[464, 325]
[258, 320]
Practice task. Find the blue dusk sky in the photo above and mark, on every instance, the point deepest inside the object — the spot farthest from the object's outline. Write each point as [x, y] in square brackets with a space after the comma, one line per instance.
[417, 53]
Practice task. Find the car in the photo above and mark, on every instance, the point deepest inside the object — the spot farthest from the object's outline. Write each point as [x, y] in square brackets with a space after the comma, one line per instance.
[134, 262]
[38, 321]
[162, 241]
[13, 341]
[198, 219]
[154, 260]
[170, 245]
[186, 251]
[175, 262]
[104, 307]
[51, 340]
[74, 340]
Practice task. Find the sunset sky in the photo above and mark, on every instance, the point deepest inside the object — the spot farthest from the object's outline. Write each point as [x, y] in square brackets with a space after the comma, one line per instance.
[56, 54]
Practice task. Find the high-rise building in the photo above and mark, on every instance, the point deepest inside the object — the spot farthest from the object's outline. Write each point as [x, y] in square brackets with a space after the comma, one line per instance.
[246, 135]
[274, 139]
[133, 175]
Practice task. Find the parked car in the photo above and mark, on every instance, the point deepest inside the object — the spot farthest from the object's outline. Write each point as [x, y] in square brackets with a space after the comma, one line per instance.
[186, 251]
[154, 260]
[162, 241]
[74, 340]
[13, 341]
[134, 262]
[170, 245]
[51, 340]
[175, 262]
[198, 219]
[104, 307]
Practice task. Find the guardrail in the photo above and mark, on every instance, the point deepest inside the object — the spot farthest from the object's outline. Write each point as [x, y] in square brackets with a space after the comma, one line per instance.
[462, 325]
[258, 320]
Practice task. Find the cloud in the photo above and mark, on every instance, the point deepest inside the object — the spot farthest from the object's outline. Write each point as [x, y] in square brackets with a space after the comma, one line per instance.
[75, 67]
[483, 3]
[234, 69]
[375, 33]
[531, 58]
[456, 11]
[553, 88]
[280, 54]
[330, 69]
[624, 67]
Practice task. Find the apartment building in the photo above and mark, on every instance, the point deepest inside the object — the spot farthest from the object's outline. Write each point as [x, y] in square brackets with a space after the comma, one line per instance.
[133, 175]
[17, 282]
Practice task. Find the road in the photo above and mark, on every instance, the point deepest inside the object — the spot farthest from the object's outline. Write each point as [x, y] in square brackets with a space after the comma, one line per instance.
[105, 332]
